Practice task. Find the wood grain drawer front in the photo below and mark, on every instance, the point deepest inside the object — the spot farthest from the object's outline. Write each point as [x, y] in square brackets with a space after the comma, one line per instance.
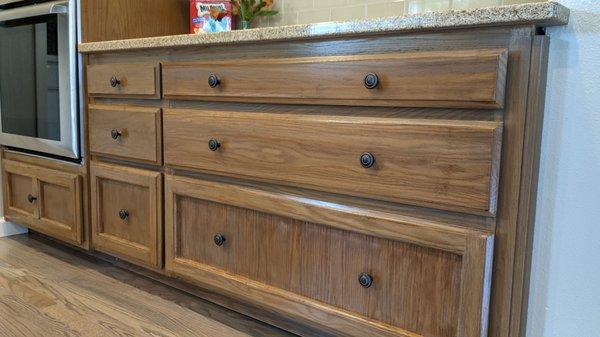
[19, 190]
[439, 163]
[126, 132]
[127, 213]
[472, 78]
[137, 80]
[45, 200]
[351, 271]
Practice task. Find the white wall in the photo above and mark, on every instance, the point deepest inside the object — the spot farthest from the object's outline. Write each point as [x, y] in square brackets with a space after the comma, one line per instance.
[565, 283]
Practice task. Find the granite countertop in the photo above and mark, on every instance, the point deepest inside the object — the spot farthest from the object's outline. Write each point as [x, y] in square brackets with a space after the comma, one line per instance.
[540, 13]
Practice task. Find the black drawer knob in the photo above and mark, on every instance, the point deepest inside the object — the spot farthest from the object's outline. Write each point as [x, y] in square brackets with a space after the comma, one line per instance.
[367, 160]
[115, 134]
[214, 144]
[123, 214]
[219, 239]
[114, 82]
[365, 280]
[31, 198]
[213, 81]
[371, 81]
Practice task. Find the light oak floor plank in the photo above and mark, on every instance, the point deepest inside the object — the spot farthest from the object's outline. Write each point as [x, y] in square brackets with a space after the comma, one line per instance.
[46, 291]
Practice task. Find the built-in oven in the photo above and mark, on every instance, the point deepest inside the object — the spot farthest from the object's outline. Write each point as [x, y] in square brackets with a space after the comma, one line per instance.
[38, 77]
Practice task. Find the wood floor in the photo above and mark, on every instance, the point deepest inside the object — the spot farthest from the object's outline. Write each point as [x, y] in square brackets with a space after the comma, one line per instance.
[47, 291]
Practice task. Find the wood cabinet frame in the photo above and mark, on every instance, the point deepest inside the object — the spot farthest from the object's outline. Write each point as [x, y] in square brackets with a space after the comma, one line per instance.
[521, 115]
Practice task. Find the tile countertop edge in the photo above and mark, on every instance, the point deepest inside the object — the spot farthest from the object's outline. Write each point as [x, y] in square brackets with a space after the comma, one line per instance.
[540, 13]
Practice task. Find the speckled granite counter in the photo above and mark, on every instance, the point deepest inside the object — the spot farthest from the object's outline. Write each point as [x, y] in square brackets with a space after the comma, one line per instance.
[540, 13]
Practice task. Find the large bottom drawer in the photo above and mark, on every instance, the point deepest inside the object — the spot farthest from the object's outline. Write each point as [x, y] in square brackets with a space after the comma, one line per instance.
[350, 271]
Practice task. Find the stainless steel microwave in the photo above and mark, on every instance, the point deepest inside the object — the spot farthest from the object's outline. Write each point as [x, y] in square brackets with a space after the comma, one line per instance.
[38, 77]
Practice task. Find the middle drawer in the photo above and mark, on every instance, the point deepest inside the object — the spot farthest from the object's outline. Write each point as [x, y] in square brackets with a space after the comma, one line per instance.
[447, 164]
[126, 132]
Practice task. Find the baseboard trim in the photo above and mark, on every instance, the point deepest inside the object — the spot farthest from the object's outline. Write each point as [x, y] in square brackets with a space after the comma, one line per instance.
[8, 228]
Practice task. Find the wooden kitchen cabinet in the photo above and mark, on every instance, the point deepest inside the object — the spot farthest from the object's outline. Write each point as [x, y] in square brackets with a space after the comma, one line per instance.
[104, 20]
[127, 213]
[379, 184]
[45, 200]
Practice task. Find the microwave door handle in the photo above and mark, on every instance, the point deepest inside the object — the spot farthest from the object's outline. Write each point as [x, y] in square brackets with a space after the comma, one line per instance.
[60, 8]
[54, 7]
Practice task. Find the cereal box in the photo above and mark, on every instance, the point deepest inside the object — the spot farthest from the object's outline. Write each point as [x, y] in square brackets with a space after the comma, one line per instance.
[209, 16]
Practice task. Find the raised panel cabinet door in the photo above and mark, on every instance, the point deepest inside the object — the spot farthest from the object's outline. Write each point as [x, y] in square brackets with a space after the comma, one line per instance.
[46, 200]
[127, 213]
[129, 132]
[135, 80]
[60, 205]
[348, 270]
[459, 78]
[20, 191]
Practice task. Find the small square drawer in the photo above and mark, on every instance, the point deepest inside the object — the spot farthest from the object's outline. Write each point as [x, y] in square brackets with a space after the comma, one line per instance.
[126, 132]
[135, 80]
[127, 213]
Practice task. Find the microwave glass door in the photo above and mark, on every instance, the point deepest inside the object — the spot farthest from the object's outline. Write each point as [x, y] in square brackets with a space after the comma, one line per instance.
[38, 78]
[29, 78]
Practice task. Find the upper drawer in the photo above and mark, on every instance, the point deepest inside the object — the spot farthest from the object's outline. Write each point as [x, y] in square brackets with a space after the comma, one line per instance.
[126, 132]
[139, 80]
[440, 163]
[473, 78]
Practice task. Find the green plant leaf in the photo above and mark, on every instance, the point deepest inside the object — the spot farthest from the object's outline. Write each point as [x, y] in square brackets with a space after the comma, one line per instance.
[246, 12]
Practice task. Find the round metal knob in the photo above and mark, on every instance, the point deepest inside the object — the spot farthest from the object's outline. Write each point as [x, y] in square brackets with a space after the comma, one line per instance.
[114, 82]
[219, 239]
[31, 198]
[115, 134]
[214, 144]
[371, 81]
[365, 280]
[213, 81]
[367, 160]
[123, 214]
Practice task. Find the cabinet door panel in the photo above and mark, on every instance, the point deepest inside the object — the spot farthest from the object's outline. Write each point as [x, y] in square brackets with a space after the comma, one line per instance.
[19, 185]
[60, 205]
[127, 213]
[45, 200]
